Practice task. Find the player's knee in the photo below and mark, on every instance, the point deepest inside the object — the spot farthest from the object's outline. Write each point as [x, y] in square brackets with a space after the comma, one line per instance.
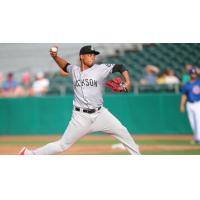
[63, 145]
[123, 129]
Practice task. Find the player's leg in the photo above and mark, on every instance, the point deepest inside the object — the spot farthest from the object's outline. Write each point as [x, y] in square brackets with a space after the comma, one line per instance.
[191, 117]
[197, 121]
[107, 123]
[78, 127]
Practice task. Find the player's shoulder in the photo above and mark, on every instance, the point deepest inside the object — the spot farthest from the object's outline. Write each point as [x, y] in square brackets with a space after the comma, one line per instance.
[109, 65]
[73, 67]
[106, 65]
[189, 85]
[197, 82]
[186, 85]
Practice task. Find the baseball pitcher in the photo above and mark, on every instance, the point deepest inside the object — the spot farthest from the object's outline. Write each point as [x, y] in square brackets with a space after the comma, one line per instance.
[89, 115]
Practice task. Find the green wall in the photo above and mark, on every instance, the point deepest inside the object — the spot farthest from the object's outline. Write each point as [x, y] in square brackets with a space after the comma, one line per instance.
[150, 113]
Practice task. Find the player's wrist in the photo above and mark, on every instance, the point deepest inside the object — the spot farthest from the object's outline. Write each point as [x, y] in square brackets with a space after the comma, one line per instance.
[54, 56]
[127, 83]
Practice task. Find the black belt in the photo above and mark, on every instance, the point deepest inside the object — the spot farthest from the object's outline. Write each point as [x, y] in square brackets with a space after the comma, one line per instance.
[90, 111]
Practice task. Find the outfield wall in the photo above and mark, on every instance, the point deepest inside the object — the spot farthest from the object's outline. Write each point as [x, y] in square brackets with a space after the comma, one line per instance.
[145, 113]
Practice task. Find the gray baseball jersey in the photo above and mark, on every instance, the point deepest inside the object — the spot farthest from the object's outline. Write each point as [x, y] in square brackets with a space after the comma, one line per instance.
[88, 84]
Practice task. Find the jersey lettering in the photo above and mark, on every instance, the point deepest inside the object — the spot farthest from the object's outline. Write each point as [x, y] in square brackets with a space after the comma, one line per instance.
[85, 82]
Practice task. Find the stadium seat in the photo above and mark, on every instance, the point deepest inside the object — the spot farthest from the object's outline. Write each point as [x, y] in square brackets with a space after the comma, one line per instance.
[164, 56]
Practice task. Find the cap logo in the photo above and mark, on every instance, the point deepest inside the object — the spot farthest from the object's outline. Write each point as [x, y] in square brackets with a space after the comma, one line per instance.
[193, 71]
[92, 48]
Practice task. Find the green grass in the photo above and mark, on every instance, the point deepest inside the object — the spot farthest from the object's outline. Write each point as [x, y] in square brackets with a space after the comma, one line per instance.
[102, 142]
[80, 142]
[147, 142]
[163, 142]
[23, 143]
[177, 152]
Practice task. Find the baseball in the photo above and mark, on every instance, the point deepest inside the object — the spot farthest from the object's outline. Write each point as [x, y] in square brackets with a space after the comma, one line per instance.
[54, 49]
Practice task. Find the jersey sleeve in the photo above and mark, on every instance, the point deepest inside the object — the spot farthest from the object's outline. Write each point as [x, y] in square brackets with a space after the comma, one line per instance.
[184, 90]
[68, 68]
[106, 69]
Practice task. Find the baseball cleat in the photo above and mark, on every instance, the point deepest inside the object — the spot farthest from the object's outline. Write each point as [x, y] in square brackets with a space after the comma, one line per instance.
[118, 146]
[22, 151]
[195, 142]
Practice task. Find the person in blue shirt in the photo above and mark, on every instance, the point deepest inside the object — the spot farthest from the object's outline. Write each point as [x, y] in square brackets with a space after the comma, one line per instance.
[11, 88]
[150, 75]
[191, 97]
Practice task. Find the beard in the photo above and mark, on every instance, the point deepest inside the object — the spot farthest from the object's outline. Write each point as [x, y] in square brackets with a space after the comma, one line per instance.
[89, 64]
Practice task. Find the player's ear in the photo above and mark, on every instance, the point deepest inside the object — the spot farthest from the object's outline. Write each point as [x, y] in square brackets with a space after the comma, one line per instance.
[81, 57]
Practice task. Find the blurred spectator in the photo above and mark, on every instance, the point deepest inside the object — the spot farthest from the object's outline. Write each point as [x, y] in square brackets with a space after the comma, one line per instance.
[162, 77]
[10, 87]
[40, 85]
[151, 75]
[198, 70]
[171, 78]
[186, 77]
[1, 81]
[26, 83]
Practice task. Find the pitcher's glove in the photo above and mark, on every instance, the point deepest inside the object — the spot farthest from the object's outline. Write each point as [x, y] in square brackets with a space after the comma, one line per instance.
[116, 85]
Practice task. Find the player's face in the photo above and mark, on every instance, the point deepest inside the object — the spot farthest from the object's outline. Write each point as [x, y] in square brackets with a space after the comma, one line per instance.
[88, 59]
[193, 76]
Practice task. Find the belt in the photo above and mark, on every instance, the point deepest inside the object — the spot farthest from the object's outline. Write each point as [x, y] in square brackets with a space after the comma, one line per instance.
[89, 111]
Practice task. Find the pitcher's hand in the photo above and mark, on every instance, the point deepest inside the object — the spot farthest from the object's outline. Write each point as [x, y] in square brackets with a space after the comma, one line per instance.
[53, 51]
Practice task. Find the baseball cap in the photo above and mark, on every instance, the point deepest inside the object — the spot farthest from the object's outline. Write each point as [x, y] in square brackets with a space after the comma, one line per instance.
[193, 70]
[40, 75]
[87, 50]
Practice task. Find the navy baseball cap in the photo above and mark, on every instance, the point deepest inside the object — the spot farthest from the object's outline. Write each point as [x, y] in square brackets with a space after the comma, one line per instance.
[193, 70]
[88, 50]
